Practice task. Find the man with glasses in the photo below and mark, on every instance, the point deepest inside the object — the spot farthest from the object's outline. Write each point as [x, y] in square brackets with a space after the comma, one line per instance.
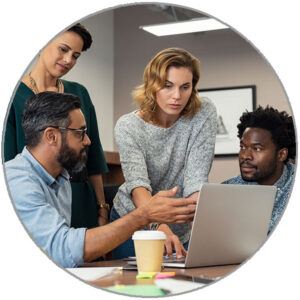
[38, 180]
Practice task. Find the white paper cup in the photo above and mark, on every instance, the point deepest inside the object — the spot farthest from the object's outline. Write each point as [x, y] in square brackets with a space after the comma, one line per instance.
[149, 250]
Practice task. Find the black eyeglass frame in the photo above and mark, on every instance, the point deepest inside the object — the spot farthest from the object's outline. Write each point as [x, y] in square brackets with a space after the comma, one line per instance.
[83, 131]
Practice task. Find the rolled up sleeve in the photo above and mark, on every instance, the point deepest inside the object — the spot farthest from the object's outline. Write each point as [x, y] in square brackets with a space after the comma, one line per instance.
[132, 158]
[42, 220]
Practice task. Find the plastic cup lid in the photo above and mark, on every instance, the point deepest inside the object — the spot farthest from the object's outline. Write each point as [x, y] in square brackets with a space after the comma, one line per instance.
[149, 235]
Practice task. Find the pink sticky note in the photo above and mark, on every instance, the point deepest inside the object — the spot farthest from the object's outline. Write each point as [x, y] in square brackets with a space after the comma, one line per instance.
[162, 275]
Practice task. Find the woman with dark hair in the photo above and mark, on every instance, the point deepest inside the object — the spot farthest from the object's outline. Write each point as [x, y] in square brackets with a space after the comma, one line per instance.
[168, 142]
[56, 60]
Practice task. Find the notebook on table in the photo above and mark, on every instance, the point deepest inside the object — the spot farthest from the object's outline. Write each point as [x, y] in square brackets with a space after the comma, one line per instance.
[231, 222]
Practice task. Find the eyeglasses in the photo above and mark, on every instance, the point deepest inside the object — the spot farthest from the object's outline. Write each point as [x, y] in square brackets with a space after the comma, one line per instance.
[82, 131]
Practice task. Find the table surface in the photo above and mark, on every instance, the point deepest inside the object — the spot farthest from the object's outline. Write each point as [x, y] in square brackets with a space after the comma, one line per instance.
[129, 277]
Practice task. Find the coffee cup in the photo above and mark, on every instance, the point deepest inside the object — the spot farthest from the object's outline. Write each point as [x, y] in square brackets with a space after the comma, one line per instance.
[149, 250]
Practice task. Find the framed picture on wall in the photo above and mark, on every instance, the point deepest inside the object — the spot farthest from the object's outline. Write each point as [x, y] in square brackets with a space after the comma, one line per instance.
[231, 103]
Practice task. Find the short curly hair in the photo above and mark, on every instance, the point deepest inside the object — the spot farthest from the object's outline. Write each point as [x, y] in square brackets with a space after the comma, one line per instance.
[280, 125]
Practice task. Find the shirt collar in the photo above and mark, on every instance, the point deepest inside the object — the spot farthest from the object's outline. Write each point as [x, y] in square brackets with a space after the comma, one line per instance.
[283, 178]
[62, 177]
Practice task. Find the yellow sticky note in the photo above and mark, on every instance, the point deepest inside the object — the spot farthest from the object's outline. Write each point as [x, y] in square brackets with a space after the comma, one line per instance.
[146, 275]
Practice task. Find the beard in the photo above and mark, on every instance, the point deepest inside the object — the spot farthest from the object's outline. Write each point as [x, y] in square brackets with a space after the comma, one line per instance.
[70, 160]
[261, 173]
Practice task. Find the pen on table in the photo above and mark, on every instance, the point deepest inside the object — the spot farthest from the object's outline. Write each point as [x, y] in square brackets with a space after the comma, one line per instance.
[129, 268]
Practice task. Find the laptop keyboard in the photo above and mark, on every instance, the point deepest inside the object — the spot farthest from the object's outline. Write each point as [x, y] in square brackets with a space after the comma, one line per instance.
[172, 259]
[169, 259]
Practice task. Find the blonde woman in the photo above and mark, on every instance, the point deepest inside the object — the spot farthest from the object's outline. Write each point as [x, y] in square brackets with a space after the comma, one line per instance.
[168, 142]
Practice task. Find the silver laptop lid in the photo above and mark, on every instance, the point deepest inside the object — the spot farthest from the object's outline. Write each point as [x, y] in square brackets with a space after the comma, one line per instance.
[231, 222]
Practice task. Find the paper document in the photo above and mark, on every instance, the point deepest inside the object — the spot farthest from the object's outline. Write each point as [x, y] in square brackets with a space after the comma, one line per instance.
[92, 273]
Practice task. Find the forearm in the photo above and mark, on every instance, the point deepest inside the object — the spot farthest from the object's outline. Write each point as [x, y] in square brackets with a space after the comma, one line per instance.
[97, 183]
[103, 212]
[165, 228]
[194, 195]
[160, 208]
[101, 240]
[139, 196]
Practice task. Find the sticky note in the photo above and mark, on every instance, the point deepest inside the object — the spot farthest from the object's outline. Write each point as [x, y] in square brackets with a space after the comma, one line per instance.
[138, 290]
[168, 273]
[165, 275]
[146, 275]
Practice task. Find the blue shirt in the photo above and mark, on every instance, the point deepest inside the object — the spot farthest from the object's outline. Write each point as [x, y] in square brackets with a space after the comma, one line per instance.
[284, 185]
[44, 206]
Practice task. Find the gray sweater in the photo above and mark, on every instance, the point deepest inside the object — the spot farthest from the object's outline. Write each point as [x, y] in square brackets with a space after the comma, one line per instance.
[160, 158]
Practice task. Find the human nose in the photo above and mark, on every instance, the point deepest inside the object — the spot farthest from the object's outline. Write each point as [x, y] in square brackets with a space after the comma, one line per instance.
[68, 58]
[176, 93]
[86, 140]
[246, 154]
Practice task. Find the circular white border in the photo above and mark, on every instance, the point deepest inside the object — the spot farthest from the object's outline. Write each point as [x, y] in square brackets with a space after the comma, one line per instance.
[26, 26]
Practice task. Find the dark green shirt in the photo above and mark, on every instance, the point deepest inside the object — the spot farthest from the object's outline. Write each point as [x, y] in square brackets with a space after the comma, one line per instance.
[84, 203]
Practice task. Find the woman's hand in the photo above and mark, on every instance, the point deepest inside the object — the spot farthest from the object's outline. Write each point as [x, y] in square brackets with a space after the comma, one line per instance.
[103, 216]
[172, 242]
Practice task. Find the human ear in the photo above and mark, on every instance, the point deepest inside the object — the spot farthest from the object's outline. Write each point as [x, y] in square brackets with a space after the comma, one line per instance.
[51, 135]
[283, 154]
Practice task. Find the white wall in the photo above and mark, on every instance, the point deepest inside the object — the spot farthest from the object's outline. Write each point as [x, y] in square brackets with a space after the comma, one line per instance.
[226, 60]
[115, 63]
[95, 70]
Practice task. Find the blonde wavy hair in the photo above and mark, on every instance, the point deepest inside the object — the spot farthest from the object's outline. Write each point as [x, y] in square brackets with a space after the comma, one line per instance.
[154, 79]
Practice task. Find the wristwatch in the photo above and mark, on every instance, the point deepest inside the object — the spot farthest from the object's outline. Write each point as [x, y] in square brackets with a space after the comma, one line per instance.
[153, 226]
[103, 205]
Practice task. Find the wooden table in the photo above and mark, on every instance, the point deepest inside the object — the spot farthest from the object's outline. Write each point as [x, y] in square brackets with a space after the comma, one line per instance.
[129, 277]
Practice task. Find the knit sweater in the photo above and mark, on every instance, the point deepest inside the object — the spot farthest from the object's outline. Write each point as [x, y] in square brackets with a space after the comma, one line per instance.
[160, 158]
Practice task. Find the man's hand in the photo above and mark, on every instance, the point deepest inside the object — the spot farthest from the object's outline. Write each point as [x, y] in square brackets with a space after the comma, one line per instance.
[163, 208]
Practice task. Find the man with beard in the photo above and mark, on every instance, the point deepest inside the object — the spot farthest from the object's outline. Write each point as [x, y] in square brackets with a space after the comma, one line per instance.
[267, 154]
[56, 141]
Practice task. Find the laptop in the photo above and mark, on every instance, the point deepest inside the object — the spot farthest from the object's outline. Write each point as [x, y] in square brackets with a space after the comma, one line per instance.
[231, 222]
